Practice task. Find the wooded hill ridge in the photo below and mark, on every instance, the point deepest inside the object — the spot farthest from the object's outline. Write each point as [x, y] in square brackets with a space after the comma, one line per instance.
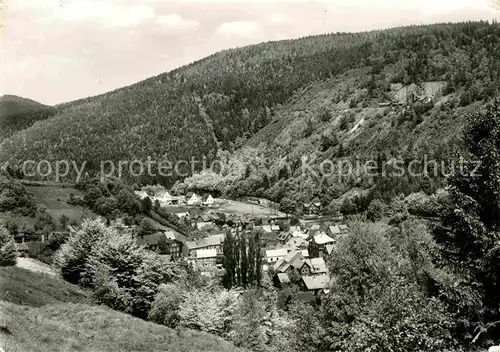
[316, 94]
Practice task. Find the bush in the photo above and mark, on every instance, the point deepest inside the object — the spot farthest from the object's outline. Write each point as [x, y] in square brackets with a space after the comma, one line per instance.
[73, 255]
[8, 253]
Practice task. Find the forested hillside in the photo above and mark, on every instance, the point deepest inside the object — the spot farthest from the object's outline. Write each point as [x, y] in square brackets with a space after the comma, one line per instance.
[217, 103]
[18, 113]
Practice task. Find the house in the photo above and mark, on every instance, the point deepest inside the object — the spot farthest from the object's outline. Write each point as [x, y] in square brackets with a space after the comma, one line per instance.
[275, 228]
[318, 243]
[178, 200]
[182, 215]
[343, 229]
[313, 208]
[266, 228]
[318, 266]
[281, 280]
[207, 262]
[192, 199]
[316, 284]
[163, 197]
[202, 221]
[333, 231]
[384, 104]
[207, 200]
[284, 237]
[167, 243]
[213, 242]
[141, 194]
[296, 243]
[273, 255]
[313, 230]
[206, 257]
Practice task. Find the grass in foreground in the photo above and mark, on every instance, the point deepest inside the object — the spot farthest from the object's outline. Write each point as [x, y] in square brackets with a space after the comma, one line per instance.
[78, 327]
[45, 313]
[24, 287]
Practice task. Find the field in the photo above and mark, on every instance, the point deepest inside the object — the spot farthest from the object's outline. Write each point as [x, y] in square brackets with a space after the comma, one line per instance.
[227, 206]
[55, 197]
[44, 313]
[238, 207]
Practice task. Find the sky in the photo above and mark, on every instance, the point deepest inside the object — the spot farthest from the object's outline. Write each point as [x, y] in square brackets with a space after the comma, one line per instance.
[55, 51]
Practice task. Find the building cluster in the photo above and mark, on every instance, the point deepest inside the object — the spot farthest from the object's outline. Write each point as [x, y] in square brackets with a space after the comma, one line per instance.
[292, 254]
[301, 257]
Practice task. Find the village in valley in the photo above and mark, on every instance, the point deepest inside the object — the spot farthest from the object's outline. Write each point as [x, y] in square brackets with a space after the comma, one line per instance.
[294, 251]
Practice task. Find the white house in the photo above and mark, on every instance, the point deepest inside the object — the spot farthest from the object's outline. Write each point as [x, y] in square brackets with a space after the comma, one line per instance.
[164, 197]
[208, 200]
[273, 255]
[192, 199]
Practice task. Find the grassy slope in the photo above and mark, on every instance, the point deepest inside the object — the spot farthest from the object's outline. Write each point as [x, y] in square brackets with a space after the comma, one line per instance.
[54, 317]
[20, 286]
[54, 197]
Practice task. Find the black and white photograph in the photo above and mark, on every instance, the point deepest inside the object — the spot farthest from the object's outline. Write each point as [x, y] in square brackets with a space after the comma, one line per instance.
[249, 176]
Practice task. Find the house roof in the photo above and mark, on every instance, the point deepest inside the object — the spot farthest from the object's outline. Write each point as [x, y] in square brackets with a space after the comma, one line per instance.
[282, 236]
[206, 197]
[300, 234]
[343, 227]
[214, 240]
[323, 238]
[283, 278]
[170, 235]
[334, 229]
[316, 282]
[298, 261]
[275, 228]
[141, 194]
[271, 253]
[206, 253]
[277, 265]
[329, 248]
[318, 265]
[266, 228]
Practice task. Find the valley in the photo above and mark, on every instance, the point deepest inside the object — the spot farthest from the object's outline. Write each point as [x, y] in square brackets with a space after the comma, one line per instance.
[336, 192]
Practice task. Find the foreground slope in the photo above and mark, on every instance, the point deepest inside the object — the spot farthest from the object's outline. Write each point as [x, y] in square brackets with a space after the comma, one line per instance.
[219, 101]
[44, 313]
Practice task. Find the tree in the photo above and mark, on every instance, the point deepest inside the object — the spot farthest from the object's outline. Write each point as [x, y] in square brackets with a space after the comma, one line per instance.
[64, 220]
[147, 205]
[375, 210]
[469, 232]
[128, 202]
[243, 259]
[147, 227]
[12, 227]
[8, 253]
[229, 261]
